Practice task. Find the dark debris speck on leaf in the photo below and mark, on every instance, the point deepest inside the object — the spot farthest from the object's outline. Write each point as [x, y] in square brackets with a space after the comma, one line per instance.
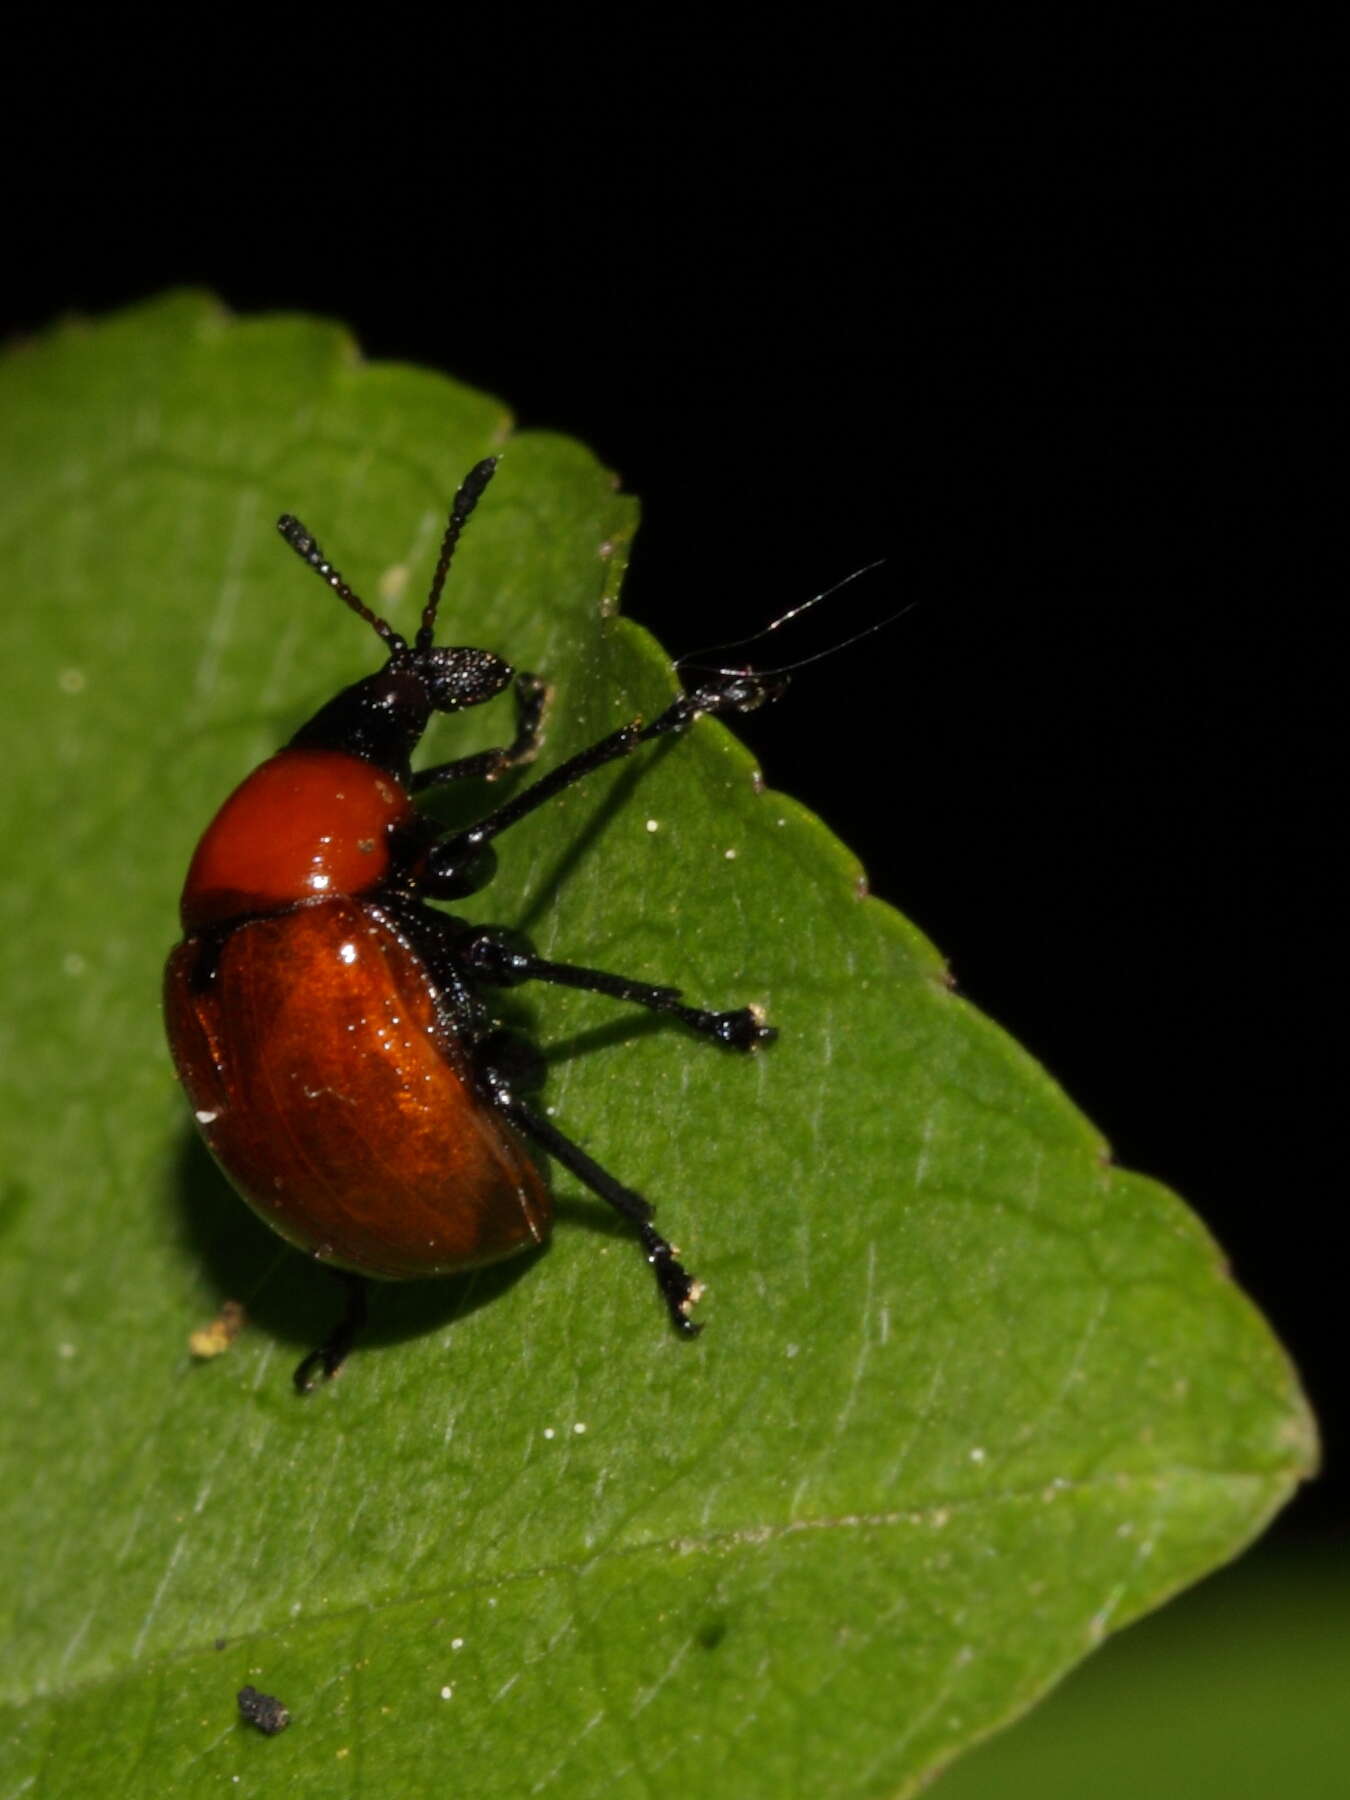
[268, 1714]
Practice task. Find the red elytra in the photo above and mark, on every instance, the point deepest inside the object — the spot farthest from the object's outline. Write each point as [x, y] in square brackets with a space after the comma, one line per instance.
[319, 1029]
[333, 1031]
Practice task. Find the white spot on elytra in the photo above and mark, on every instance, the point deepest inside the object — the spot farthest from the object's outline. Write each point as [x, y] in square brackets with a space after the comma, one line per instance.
[207, 1116]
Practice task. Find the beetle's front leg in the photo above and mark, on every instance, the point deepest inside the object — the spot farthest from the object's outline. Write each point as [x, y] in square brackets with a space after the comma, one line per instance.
[453, 866]
[532, 698]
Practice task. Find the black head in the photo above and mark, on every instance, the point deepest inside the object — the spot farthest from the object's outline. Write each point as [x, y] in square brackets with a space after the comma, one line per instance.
[382, 718]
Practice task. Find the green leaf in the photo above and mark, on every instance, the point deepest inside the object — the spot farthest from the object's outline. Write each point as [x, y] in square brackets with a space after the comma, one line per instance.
[1238, 1690]
[969, 1397]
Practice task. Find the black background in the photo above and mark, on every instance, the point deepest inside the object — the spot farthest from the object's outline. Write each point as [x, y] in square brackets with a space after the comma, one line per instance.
[1059, 356]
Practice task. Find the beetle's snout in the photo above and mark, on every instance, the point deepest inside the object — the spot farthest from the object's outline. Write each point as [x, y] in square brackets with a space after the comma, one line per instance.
[458, 675]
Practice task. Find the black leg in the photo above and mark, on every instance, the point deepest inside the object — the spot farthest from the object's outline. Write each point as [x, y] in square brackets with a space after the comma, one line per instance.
[532, 697]
[678, 1287]
[331, 1355]
[493, 957]
[728, 694]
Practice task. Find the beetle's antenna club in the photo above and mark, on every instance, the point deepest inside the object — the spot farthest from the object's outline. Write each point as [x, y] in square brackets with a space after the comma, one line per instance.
[306, 546]
[470, 493]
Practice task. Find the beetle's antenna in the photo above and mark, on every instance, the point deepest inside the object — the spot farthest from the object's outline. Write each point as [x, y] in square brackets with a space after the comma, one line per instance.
[794, 612]
[307, 548]
[470, 492]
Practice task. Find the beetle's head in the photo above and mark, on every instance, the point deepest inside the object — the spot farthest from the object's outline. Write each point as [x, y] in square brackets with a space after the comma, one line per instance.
[382, 718]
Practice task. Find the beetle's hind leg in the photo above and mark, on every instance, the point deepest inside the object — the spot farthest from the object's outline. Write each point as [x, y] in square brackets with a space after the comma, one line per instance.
[678, 1288]
[334, 1350]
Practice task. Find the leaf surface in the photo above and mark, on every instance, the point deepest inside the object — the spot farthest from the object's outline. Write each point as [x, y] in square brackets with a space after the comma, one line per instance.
[969, 1397]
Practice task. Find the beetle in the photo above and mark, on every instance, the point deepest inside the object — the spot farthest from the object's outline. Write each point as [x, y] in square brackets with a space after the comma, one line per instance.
[335, 1033]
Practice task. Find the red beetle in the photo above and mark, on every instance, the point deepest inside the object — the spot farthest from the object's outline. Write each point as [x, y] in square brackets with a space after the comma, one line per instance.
[334, 1033]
